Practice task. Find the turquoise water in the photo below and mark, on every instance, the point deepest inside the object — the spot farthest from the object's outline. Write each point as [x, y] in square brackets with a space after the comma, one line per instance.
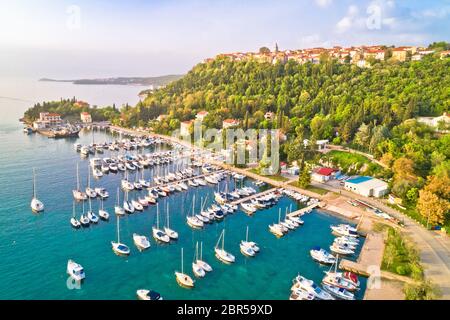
[35, 248]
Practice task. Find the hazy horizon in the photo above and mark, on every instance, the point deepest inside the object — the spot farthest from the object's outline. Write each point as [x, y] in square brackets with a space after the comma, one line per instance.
[87, 39]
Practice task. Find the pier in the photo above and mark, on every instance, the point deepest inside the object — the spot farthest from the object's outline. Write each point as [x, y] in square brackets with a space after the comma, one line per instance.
[303, 210]
[190, 178]
[253, 196]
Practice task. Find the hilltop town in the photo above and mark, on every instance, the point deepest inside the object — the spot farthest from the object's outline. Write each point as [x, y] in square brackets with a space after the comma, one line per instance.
[359, 55]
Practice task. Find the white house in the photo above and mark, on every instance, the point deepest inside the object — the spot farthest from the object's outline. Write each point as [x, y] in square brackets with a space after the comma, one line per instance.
[185, 127]
[434, 121]
[367, 186]
[324, 174]
[86, 117]
[201, 115]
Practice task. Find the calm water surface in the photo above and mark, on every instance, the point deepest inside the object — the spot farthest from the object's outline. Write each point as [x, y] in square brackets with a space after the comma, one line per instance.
[35, 248]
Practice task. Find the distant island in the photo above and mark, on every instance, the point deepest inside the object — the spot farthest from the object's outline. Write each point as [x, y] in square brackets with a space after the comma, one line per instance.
[135, 81]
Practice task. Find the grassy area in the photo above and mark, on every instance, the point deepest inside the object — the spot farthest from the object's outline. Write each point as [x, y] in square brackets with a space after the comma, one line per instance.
[277, 177]
[352, 163]
[311, 188]
[400, 256]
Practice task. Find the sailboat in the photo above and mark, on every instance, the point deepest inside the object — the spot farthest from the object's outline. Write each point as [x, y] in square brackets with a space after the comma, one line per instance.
[277, 229]
[118, 247]
[193, 221]
[171, 233]
[84, 220]
[183, 279]
[36, 204]
[248, 248]
[127, 205]
[78, 194]
[89, 191]
[196, 267]
[347, 280]
[104, 215]
[221, 254]
[74, 221]
[205, 266]
[118, 210]
[91, 215]
[158, 234]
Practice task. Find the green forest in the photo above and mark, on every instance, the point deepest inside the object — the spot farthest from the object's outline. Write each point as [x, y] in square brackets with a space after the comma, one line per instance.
[370, 109]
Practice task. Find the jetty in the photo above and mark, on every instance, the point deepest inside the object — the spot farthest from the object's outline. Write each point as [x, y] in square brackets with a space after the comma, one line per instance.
[253, 196]
[303, 210]
[189, 178]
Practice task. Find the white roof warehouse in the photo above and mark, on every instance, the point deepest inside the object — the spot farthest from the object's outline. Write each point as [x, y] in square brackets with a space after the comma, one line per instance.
[367, 186]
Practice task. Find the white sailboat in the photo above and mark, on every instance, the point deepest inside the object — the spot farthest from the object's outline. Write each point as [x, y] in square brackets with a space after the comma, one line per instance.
[196, 267]
[205, 266]
[171, 233]
[103, 214]
[118, 247]
[74, 221]
[183, 279]
[127, 205]
[193, 221]
[91, 215]
[84, 220]
[36, 204]
[118, 210]
[277, 229]
[90, 192]
[158, 234]
[78, 194]
[248, 248]
[221, 254]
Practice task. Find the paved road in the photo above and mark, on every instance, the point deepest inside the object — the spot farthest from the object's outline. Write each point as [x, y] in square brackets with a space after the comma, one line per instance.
[434, 247]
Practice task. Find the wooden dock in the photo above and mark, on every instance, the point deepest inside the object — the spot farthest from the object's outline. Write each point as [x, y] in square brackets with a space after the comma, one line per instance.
[190, 178]
[303, 210]
[253, 196]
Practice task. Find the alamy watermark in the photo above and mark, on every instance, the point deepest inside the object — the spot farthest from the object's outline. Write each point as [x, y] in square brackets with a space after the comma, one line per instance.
[236, 146]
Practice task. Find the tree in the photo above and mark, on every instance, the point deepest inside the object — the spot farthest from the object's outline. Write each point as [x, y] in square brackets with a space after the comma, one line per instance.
[304, 178]
[362, 137]
[264, 50]
[434, 200]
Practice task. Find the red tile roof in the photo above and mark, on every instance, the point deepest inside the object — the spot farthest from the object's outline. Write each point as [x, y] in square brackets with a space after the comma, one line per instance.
[325, 171]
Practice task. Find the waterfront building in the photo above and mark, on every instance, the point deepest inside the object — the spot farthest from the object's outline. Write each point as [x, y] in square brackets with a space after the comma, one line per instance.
[367, 186]
[324, 174]
[86, 117]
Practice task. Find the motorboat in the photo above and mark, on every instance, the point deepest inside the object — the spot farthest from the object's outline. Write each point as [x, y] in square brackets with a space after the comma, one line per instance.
[344, 230]
[102, 192]
[141, 242]
[300, 294]
[311, 287]
[339, 249]
[248, 208]
[75, 271]
[97, 173]
[339, 293]
[322, 256]
[36, 205]
[144, 294]
[127, 185]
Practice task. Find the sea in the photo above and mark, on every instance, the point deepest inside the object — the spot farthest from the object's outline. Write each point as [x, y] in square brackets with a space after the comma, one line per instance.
[35, 248]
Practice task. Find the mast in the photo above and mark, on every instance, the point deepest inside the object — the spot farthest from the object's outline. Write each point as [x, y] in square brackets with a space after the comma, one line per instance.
[279, 215]
[118, 197]
[201, 250]
[193, 205]
[182, 269]
[157, 215]
[89, 178]
[223, 239]
[90, 206]
[167, 214]
[73, 209]
[118, 233]
[78, 178]
[246, 236]
[34, 183]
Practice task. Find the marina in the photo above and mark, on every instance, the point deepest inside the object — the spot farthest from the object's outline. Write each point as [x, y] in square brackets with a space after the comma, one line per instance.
[154, 268]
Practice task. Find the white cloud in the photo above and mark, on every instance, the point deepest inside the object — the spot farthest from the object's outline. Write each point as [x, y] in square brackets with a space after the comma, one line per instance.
[349, 20]
[323, 3]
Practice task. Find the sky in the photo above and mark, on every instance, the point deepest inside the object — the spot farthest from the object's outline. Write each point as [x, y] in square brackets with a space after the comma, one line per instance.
[87, 39]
